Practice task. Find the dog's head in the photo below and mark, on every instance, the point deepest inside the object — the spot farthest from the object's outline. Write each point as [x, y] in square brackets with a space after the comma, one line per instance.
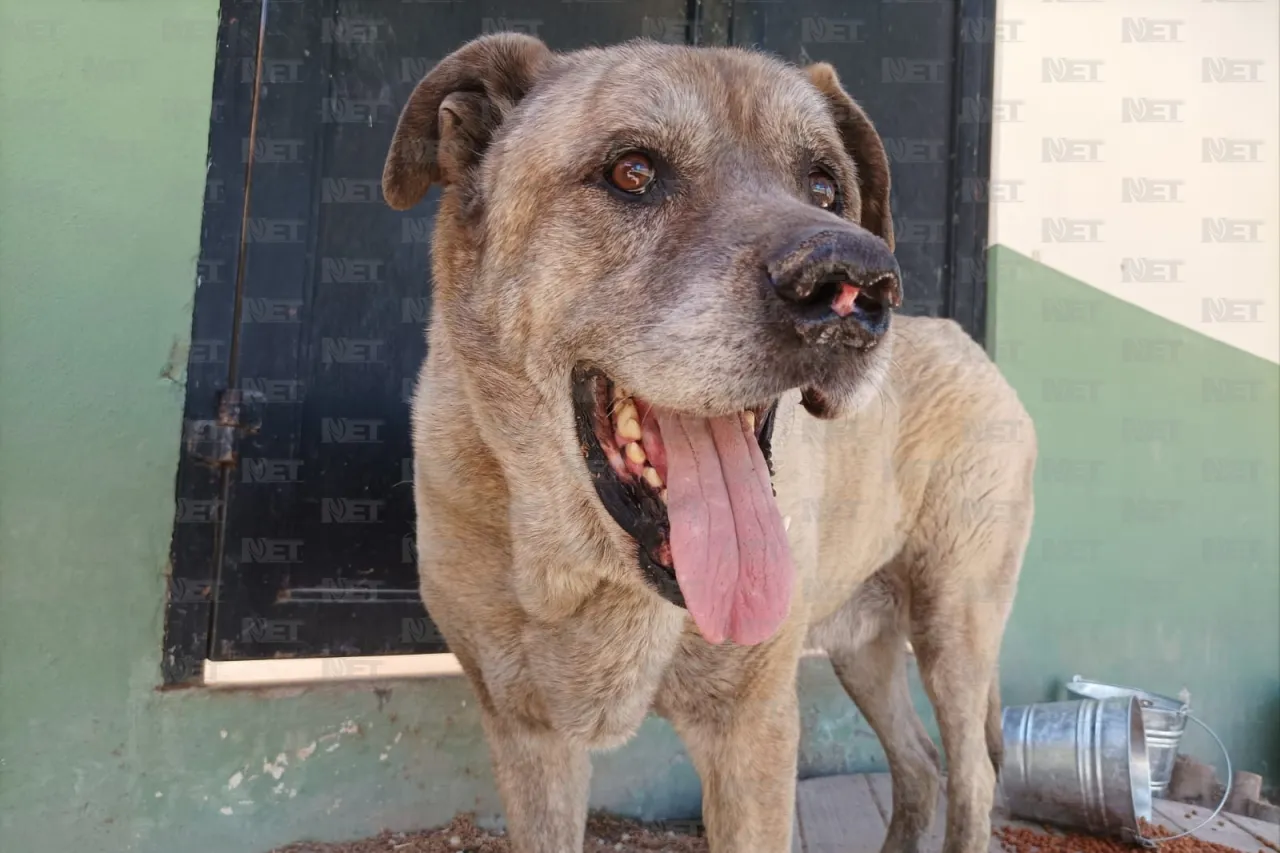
[639, 249]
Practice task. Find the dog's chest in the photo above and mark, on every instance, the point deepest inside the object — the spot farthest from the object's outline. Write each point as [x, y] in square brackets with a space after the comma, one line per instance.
[839, 499]
[593, 677]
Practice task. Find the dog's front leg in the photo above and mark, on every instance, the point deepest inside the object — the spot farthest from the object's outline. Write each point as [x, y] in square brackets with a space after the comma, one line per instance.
[957, 641]
[544, 780]
[748, 772]
[740, 721]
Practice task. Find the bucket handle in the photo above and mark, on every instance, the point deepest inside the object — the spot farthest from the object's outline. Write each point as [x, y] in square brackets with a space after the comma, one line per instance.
[1184, 708]
[1151, 843]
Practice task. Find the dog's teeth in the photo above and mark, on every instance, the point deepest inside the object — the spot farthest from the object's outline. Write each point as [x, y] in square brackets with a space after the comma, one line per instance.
[652, 477]
[635, 453]
[662, 495]
[750, 418]
[628, 421]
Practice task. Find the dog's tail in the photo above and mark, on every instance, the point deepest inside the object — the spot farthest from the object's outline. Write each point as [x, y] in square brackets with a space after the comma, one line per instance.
[994, 729]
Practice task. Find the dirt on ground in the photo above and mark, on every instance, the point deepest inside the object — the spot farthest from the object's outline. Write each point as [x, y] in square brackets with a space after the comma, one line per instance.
[607, 833]
[461, 835]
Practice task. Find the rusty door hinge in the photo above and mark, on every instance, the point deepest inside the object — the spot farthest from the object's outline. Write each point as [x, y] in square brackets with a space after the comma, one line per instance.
[214, 441]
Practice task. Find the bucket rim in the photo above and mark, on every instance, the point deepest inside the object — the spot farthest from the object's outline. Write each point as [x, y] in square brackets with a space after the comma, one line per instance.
[1086, 688]
[1139, 767]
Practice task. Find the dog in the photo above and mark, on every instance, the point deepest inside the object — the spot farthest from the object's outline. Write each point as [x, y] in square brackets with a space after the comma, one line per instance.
[671, 431]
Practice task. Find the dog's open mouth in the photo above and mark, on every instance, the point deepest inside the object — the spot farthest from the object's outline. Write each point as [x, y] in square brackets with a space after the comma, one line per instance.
[696, 495]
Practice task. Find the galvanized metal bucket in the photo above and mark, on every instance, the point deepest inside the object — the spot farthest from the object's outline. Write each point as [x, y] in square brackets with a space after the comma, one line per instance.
[1081, 763]
[1164, 719]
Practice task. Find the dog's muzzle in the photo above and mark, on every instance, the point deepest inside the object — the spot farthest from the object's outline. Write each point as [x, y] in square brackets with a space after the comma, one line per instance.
[836, 282]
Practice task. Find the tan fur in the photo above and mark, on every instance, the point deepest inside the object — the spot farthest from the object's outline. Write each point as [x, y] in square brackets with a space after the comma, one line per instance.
[909, 498]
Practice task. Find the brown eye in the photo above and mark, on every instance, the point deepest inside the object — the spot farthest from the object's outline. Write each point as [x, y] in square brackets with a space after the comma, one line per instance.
[822, 189]
[632, 173]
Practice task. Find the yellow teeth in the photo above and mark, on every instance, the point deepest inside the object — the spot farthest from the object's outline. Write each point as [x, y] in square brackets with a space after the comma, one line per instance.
[635, 453]
[629, 430]
[750, 418]
[653, 478]
[628, 420]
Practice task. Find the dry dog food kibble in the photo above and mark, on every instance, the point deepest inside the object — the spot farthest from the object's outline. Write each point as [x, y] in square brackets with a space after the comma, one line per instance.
[605, 834]
[1023, 840]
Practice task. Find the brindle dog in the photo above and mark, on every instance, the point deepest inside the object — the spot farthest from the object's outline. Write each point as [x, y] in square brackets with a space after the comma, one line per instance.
[670, 430]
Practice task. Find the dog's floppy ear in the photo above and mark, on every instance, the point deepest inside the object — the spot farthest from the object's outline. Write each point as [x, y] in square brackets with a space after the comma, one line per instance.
[863, 144]
[453, 112]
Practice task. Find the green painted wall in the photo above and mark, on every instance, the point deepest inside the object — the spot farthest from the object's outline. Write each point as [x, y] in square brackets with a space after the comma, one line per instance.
[101, 178]
[1155, 558]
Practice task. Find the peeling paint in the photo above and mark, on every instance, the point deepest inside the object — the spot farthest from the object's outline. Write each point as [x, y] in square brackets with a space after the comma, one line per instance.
[223, 734]
[276, 768]
[226, 810]
[305, 753]
[278, 789]
[331, 747]
[382, 757]
[235, 780]
[397, 737]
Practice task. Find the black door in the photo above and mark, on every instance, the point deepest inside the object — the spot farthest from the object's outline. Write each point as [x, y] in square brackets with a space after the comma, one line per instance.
[294, 534]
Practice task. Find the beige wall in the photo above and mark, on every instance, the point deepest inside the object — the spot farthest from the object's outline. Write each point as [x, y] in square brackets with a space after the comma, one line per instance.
[1102, 103]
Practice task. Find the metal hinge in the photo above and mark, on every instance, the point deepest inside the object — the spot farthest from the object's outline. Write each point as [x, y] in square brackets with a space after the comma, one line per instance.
[214, 442]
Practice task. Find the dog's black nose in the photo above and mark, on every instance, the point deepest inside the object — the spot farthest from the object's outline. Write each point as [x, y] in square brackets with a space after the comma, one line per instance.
[837, 277]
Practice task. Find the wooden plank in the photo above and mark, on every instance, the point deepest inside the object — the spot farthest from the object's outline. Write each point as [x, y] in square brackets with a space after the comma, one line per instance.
[1266, 832]
[1260, 811]
[881, 785]
[882, 789]
[1163, 822]
[838, 815]
[1220, 830]
[1240, 833]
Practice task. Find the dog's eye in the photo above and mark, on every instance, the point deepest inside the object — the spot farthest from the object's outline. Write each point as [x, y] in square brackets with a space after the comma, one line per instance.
[632, 173]
[823, 190]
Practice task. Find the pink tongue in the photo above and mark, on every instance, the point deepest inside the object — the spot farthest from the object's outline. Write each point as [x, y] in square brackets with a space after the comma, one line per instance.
[728, 543]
